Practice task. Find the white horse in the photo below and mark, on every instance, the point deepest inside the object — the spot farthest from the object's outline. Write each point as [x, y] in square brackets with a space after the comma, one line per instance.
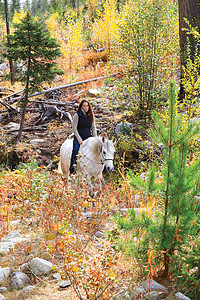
[94, 154]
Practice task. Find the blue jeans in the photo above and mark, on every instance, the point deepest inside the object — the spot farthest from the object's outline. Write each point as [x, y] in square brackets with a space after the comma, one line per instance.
[75, 150]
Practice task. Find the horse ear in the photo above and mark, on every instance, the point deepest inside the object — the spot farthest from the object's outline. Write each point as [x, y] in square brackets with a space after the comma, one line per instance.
[114, 141]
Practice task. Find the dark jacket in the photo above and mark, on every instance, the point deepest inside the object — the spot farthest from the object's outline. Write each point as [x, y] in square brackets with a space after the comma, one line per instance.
[84, 125]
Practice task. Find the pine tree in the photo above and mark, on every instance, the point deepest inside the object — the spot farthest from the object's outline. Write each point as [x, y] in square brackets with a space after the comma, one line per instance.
[179, 212]
[32, 45]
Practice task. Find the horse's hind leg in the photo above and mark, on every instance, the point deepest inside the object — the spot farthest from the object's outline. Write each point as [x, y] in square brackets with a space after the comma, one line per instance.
[101, 180]
[65, 174]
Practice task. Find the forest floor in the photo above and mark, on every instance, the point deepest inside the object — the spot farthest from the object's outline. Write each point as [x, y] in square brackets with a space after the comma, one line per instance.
[43, 143]
[55, 129]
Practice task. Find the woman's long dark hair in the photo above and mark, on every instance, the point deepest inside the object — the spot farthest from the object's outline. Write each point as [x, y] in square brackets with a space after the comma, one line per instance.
[90, 111]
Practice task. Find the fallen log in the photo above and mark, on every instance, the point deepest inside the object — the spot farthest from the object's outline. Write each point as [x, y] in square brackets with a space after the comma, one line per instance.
[49, 103]
[32, 128]
[67, 86]
[3, 93]
[11, 95]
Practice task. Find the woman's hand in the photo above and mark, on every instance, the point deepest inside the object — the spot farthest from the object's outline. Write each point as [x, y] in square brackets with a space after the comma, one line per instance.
[80, 142]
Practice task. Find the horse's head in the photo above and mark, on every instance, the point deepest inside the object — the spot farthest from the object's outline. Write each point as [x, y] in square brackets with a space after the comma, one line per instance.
[107, 152]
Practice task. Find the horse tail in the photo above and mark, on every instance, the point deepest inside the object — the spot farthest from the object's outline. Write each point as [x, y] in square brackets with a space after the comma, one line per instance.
[59, 171]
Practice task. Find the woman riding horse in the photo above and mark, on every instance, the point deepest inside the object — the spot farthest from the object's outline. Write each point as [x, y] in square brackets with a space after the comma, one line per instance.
[83, 126]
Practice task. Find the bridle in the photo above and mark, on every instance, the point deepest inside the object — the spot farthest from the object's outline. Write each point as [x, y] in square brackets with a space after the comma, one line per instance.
[102, 162]
[105, 159]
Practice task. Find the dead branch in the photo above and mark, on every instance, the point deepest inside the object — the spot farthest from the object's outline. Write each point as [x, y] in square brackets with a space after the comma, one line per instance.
[52, 112]
[67, 86]
[8, 106]
[5, 88]
[3, 93]
[11, 95]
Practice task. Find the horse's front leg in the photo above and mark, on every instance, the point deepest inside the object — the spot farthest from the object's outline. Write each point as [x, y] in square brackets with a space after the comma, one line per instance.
[101, 180]
[91, 192]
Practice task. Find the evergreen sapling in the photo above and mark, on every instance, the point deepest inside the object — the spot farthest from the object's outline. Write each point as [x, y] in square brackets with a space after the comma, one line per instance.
[32, 46]
[177, 215]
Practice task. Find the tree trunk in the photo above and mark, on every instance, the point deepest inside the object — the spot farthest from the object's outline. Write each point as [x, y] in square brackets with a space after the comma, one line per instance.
[77, 8]
[190, 10]
[25, 103]
[73, 4]
[8, 32]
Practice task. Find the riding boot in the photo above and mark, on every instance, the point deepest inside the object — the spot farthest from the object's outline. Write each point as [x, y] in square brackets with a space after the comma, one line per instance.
[75, 150]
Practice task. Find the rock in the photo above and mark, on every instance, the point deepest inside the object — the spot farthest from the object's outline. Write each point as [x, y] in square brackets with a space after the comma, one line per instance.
[94, 92]
[143, 175]
[24, 267]
[136, 292]
[14, 223]
[99, 234]
[154, 286]
[48, 161]
[6, 246]
[86, 214]
[181, 296]
[52, 165]
[2, 297]
[18, 280]
[28, 288]
[97, 246]
[12, 126]
[3, 289]
[155, 295]
[194, 120]
[123, 128]
[40, 266]
[57, 276]
[36, 141]
[10, 240]
[137, 199]
[64, 284]
[197, 199]
[3, 67]
[4, 273]
[38, 151]
[11, 235]
[122, 295]
[138, 210]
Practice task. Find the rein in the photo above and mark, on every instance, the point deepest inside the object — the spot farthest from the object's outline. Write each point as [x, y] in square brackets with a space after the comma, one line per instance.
[96, 162]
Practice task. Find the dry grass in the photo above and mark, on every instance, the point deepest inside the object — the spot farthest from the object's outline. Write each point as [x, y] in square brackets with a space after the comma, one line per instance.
[47, 291]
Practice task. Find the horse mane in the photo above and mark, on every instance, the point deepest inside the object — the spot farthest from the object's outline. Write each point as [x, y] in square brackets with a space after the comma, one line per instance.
[96, 146]
[94, 143]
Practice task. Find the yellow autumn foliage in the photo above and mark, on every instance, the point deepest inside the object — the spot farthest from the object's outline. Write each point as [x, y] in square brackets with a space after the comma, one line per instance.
[18, 16]
[92, 6]
[105, 28]
[2, 28]
[74, 45]
[69, 35]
